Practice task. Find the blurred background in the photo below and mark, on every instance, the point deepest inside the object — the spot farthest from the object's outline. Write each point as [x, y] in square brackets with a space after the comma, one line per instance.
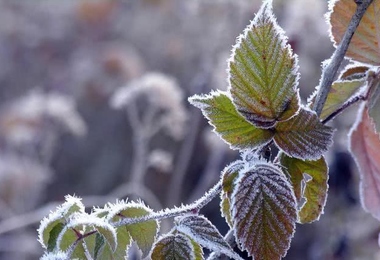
[93, 102]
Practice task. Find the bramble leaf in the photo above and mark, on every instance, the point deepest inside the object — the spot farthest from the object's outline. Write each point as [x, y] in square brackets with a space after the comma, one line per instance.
[365, 147]
[173, 247]
[228, 123]
[264, 211]
[198, 251]
[341, 91]
[303, 136]
[79, 223]
[59, 216]
[315, 185]
[364, 45]
[354, 71]
[205, 233]
[143, 233]
[263, 72]
[374, 104]
[229, 174]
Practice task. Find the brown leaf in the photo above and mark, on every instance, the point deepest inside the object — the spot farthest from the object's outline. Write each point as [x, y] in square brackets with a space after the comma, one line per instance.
[365, 146]
[364, 46]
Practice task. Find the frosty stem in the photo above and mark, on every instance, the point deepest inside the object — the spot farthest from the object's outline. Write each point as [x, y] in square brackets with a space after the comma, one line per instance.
[329, 71]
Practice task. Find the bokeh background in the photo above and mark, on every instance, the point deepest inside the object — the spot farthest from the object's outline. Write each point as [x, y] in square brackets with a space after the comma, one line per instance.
[93, 102]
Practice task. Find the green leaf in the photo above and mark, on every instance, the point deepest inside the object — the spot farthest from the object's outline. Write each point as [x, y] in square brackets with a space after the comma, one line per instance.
[303, 136]
[60, 215]
[198, 251]
[316, 186]
[374, 103]
[228, 123]
[205, 233]
[341, 91]
[264, 211]
[263, 72]
[84, 222]
[364, 45]
[53, 235]
[143, 233]
[173, 247]
[229, 174]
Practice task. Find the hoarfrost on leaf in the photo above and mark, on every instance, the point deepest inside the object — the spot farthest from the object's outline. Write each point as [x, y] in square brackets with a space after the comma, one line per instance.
[263, 72]
[264, 211]
[365, 147]
[205, 233]
[303, 136]
[173, 247]
[228, 123]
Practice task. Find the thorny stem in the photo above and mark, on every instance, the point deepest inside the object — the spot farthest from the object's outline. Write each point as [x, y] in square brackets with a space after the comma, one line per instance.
[329, 72]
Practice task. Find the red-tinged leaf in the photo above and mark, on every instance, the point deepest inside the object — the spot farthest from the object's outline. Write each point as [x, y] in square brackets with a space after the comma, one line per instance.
[263, 72]
[228, 123]
[364, 46]
[374, 100]
[264, 211]
[365, 146]
[354, 72]
[314, 183]
[173, 247]
[303, 136]
[205, 233]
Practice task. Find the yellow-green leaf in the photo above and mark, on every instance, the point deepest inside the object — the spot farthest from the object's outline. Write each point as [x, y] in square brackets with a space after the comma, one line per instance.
[143, 233]
[315, 182]
[364, 46]
[263, 72]
[264, 211]
[228, 123]
[341, 91]
[303, 136]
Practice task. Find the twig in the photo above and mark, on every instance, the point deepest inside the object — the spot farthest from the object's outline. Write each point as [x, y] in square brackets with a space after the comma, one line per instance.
[168, 213]
[329, 72]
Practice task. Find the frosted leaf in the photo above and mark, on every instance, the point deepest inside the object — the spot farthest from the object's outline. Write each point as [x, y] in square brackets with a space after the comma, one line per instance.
[303, 136]
[263, 72]
[198, 250]
[84, 222]
[60, 215]
[365, 147]
[264, 211]
[205, 233]
[228, 123]
[143, 233]
[374, 100]
[364, 45]
[229, 174]
[315, 186]
[340, 92]
[173, 247]
[354, 71]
